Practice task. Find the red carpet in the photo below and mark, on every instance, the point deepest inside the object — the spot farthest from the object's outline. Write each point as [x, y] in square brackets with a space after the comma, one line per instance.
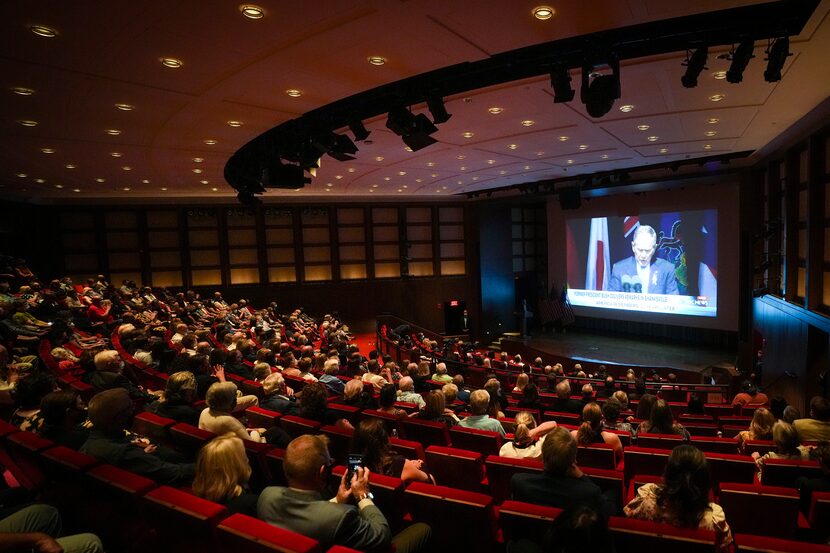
[366, 342]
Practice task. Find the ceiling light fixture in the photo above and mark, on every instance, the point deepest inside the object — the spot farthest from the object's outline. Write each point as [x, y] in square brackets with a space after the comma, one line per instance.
[198, 159]
[717, 97]
[707, 146]
[719, 75]
[252, 11]
[172, 63]
[204, 181]
[76, 190]
[127, 168]
[113, 132]
[40, 181]
[512, 146]
[740, 59]
[643, 127]
[378, 158]
[43, 31]
[234, 124]
[604, 156]
[99, 179]
[22, 91]
[653, 138]
[294, 93]
[626, 108]
[126, 189]
[583, 146]
[467, 134]
[664, 150]
[711, 133]
[58, 186]
[70, 166]
[599, 91]
[209, 141]
[116, 154]
[495, 110]
[777, 55]
[48, 150]
[197, 171]
[712, 120]
[695, 64]
[125, 107]
[21, 175]
[27, 122]
[563, 138]
[543, 13]
[560, 81]
[528, 123]
[376, 60]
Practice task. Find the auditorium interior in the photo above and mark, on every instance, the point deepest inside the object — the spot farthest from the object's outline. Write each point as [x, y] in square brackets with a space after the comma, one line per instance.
[454, 182]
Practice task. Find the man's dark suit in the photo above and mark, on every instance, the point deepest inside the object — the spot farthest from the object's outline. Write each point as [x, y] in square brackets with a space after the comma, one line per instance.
[566, 406]
[662, 279]
[562, 492]
[280, 404]
[307, 513]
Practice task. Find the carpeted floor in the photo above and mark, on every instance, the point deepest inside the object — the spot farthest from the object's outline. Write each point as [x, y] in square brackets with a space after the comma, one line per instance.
[365, 341]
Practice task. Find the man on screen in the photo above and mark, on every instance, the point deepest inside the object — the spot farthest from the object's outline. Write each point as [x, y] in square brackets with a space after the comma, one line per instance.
[643, 272]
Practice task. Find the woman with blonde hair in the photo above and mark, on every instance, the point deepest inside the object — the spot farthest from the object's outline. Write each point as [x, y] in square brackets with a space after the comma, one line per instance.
[222, 473]
[591, 432]
[176, 402]
[525, 444]
[521, 382]
[786, 441]
[759, 429]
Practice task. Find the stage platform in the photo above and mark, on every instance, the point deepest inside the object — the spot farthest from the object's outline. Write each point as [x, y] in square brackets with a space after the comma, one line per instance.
[612, 350]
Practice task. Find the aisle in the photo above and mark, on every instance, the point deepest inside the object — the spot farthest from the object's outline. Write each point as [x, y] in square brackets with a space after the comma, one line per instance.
[365, 341]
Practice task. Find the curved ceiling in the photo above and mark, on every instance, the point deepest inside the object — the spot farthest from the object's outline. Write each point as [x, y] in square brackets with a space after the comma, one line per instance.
[238, 69]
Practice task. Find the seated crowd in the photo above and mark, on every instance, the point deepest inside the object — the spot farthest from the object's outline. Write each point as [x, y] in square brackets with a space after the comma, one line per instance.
[204, 352]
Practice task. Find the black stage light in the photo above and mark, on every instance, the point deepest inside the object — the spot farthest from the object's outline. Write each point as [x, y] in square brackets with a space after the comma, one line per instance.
[740, 59]
[598, 94]
[338, 146]
[358, 130]
[560, 81]
[776, 57]
[415, 130]
[695, 64]
[438, 110]
[279, 175]
[247, 198]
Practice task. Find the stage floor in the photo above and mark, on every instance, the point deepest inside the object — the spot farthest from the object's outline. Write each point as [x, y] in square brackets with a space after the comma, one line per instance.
[630, 351]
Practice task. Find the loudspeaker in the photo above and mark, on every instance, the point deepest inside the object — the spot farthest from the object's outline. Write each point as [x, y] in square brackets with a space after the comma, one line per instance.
[570, 198]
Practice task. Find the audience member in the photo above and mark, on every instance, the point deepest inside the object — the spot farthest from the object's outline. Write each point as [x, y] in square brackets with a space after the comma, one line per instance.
[528, 438]
[749, 396]
[611, 413]
[37, 528]
[435, 409]
[563, 402]
[590, 431]
[372, 442]
[61, 419]
[817, 427]
[786, 441]
[275, 395]
[222, 473]
[407, 392]
[662, 422]
[176, 402]
[759, 429]
[807, 485]
[479, 402]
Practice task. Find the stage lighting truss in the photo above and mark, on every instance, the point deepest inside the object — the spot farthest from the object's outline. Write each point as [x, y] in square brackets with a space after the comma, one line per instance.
[740, 57]
[560, 81]
[777, 54]
[695, 64]
[415, 130]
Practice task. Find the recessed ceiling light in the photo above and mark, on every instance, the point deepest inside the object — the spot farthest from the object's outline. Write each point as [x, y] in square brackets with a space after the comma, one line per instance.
[711, 133]
[99, 179]
[40, 181]
[252, 11]
[21, 175]
[70, 166]
[528, 123]
[198, 159]
[626, 108]
[27, 122]
[58, 186]
[371, 190]
[204, 181]
[418, 180]
[430, 164]
[338, 177]
[197, 171]
[407, 149]
[294, 93]
[217, 190]
[461, 156]
[495, 110]
[467, 134]
[652, 138]
[604, 156]
[387, 178]
[400, 190]
[116, 154]
[463, 168]
[163, 189]
[527, 167]
[717, 97]
[583, 146]
[234, 123]
[22, 91]
[512, 146]
[433, 175]
[712, 120]
[43, 30]
[707, 146]
[543, 13]
[145, 181]
[491, 161]
[570, 161]
[125, 107]
[112, 132]
[404, 186]
[209, 141]
[376, 60]
[329, 184]
[475, 178]
[719, 75]
[374, 186]
[379, 158]
[664, 150]
[350, 169]
[443, 188]
[48, 150]
[502, 172]
[76, 190]
[460, 182]
[172, 63]
[127, 168]
[126, 189]
[328, 189]
[563, 138]
[643, 127]
[401, 173]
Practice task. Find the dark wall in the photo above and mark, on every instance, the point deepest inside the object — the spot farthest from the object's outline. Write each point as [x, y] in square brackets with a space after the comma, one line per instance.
[497, 288]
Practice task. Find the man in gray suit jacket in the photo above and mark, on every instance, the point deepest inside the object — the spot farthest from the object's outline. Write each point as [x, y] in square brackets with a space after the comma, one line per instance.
[302, 508]
[643, 273]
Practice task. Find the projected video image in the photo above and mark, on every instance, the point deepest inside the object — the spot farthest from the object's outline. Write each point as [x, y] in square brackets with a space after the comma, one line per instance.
[656, 262]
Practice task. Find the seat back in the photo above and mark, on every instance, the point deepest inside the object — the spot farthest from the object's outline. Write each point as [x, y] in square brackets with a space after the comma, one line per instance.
[730, 468]
[24, 460]
[659, 441]
[765, 544]
[262, 418]
[391, 422]
[701, 428]
[458, 468]
[762, 510]
[562, 418]
[518, 519]
[820, 515]
[274, 458]
[252, 388]
[501, 469]
[388, 492]
[762, 447]
[610, 481]
[784, 472]
[473, 439]
[446, 510]
[184, 522]
[641, 460]
[348, 412]
[297, 426]
[599, 456]
[189, 439]
[732, 430]
[644, 535]
[340, 440]
[714, 444]
[407, 448]
[427, 432]
[638, 480]
[244, 533]
[153, 426]
[718, 410]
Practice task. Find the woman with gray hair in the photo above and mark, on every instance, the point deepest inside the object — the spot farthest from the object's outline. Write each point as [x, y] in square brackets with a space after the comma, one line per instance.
[217, 418]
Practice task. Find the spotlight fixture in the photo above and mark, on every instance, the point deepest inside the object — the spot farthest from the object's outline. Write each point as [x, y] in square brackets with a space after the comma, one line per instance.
[598, 93]
[359, 130]
[415, 130]
[740, 59]
[695, 64]
[338, 146]
[438, 110]
[777, 54]
[279, 175]
[560, 80]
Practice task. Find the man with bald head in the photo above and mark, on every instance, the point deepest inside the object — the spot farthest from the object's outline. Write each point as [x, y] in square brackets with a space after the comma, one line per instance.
[302, 508]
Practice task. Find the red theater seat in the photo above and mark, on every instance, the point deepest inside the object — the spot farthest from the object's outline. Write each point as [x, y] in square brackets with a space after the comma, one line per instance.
[297, 426]
[638, 480]
[189, 439]
[760, 446]
[715, 445]
[390, 421]
[388, 492]
[521, 520]
[407, 448]
[153, 426]
[725, 467]
[784, 472]
[659, 441]
[607, 480]
[274, 458]
[562, 418]
[501, 469]
[762, 510]
[340, 440]
[64, 458]
[252, 388]
[764, 544]
[251, 535]
[185, 522]
[820, 515]
[599, 456]
[347, 412]
[427, 432]
[701, 429]
[465, 520]
[643, 535]
[262, 418]
[641, 460]
[457, 468]
[473, 439]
